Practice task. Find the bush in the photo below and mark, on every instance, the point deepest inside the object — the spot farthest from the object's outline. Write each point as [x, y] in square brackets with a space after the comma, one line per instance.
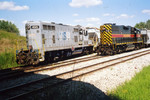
[8, 26]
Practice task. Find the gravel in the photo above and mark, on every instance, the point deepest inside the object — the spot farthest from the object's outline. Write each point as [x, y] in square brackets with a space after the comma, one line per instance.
[110, 78]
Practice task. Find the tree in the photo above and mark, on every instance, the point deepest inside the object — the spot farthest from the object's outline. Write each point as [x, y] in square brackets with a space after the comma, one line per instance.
[140, 25]
[148, 24]
[143, 25]
[8, 26]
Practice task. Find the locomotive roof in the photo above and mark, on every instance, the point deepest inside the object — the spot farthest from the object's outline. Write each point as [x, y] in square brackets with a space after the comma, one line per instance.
[52, 23]
[114, 24]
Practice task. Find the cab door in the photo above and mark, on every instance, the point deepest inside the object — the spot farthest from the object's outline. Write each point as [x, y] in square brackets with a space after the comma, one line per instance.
[81, 37]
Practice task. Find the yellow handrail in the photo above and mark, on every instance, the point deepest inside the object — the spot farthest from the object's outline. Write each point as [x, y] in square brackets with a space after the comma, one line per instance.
[37, 46]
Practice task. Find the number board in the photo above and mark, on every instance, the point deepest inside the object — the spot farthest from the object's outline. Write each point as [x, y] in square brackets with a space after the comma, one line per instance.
[35, 27]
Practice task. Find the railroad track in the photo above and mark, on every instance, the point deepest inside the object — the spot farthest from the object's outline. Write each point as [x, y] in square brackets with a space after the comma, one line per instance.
[26, 67]
[31, 69]
[22, 90]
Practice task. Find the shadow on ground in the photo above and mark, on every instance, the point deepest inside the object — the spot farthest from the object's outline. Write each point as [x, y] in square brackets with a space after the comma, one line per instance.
[72, 90]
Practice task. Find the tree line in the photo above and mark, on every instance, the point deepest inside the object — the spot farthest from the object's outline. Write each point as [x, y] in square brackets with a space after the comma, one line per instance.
[8, 26]
[143, 25]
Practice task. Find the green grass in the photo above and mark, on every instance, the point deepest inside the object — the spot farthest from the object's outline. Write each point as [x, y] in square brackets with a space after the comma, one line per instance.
[136, 89]
[7, 60]
[9, 43]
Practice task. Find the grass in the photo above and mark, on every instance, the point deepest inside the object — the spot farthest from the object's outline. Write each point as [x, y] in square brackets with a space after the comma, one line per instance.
[7, 60]
[9, 43]
[136, 89]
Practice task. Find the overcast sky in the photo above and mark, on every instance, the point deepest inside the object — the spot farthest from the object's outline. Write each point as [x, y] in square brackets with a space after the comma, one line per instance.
[74, 12]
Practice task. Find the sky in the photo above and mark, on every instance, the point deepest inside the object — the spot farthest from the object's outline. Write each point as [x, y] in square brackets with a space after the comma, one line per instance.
[92, 13]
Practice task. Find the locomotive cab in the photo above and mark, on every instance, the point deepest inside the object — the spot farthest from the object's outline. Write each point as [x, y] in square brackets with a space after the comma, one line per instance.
[32, 55]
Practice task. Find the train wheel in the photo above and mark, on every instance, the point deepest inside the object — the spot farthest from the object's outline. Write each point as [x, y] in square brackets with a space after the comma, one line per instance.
[21, 58]
[117, 50]
[112, 52]
[140, 46]
[28, 61]
[103, 53]
[91, 51]
[35, 59]
[109, 51]
[49, 60]
[98, 51]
